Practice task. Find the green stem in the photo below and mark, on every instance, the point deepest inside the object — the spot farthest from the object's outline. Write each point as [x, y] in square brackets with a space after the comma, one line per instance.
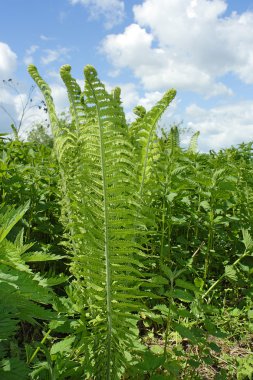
[163, 233]
[166, 335]
[224, 274]
[168, 323]
[38, 348]
[209, 245]
[106, 240]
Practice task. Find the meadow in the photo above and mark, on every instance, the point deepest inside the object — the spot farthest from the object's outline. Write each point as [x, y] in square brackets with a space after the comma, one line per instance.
[123, 255]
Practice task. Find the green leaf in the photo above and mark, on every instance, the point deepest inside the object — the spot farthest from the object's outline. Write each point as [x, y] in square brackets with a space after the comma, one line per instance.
[157, 377]
[185, 332]
[150, 361]
[205, 205]
[247, 240]
[199, 282]
[41, 257]
[194, 363]
[250, 314]
[230, 273]
[163, 309]
[168, 272]
[186, 285]
[182, 295]
[13, 369]
[171, 197]
[214, 347]
[63, 346]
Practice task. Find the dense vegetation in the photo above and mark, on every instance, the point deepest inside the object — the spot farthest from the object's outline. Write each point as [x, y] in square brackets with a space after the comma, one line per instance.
[123, 256]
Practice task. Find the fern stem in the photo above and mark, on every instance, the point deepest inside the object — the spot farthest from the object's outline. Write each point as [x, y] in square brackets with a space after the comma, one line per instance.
[106, 240]
[209, 245]
[38, 348]
[146, 159]
[163, 233]
[246, 253]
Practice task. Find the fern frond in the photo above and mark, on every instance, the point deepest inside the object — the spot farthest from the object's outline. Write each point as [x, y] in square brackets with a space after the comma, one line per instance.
[11, 255]
[22, 294]
[111, 212]
[9, 217]
[193, 145]
[101, 196]
[77, 106]
[8, 323]
[46, 91]
[173, 140]
[143, 131]
[22, 299]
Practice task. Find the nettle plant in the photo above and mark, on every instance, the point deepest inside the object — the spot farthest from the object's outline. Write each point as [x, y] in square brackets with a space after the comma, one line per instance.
[105, 165]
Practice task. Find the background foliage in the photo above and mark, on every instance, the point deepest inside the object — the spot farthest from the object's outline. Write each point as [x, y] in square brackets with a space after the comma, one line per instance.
[123, 255]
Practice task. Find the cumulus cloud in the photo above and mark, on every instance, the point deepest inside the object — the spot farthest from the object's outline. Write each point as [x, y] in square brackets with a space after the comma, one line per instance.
[111, 10]
[58, 54]
[184, 44]
[8, 61]
[47, 55]
[221, 126]
[59, 94]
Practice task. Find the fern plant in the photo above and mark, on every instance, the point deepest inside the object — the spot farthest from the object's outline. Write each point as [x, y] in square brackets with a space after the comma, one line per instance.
[23, 296]
[101, 184]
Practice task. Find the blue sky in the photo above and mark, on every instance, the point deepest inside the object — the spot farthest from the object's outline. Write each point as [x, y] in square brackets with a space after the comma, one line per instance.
[202, 48]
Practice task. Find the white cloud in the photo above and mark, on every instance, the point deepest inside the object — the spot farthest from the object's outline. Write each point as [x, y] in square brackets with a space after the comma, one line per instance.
[59, 94]
[6, 97]
[48, 55]
[28, 59]
[32, 49]
[58, 54]
[111, 10]
[222, 126]
[46, 38]
[7, 108]
[8, 61]
[129, 95]
[53, 74]
[184, 44]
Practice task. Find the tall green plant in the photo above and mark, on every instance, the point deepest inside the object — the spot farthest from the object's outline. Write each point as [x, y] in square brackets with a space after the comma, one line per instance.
[100, 189]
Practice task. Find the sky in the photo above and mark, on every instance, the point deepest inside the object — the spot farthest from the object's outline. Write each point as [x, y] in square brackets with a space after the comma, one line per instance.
[202, 48]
